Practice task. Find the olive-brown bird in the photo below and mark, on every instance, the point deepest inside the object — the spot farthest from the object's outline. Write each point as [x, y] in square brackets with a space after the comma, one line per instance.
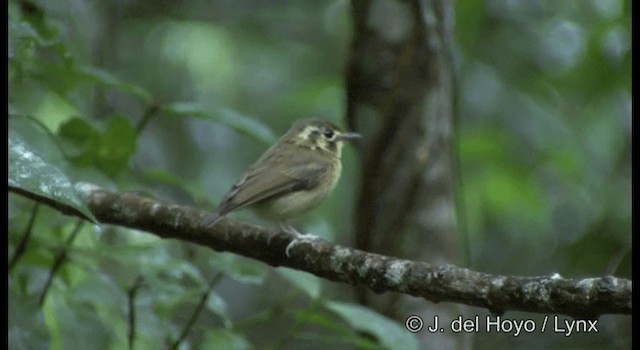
[290, 178]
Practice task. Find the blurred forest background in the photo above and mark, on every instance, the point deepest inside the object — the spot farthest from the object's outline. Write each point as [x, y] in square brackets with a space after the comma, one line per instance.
[175, 99]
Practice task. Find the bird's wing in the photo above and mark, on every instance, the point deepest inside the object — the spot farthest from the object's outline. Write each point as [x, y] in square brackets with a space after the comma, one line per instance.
[264, 182]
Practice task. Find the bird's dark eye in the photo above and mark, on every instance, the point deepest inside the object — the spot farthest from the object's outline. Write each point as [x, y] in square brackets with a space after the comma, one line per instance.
[328, 133]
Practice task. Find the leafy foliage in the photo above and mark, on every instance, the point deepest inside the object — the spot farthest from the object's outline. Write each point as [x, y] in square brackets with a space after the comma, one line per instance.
[30, 173]
[157, 98]
[108, 151]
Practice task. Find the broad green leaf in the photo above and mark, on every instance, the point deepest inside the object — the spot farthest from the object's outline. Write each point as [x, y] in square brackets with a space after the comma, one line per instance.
[117, 145]
[30, 173]
[388, 332]
[83, 137]
[41, 139]
[78, 130]
[109, 151]
[243, 124]
[307, 282]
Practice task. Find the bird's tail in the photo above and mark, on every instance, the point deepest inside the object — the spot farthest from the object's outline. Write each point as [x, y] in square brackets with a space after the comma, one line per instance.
[212, 219]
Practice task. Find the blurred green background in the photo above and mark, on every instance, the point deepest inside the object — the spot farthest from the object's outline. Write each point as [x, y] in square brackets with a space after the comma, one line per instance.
[175, 99]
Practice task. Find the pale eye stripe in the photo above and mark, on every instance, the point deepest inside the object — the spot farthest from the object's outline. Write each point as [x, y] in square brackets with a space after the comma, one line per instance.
[306, 132]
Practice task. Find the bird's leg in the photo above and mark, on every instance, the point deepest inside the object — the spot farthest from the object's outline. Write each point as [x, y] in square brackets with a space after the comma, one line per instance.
[287, 228]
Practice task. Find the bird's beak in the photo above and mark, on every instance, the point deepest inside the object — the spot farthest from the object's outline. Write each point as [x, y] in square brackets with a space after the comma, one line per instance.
[348, 136]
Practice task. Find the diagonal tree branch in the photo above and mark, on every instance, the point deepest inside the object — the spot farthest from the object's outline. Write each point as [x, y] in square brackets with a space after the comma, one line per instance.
[583, 298]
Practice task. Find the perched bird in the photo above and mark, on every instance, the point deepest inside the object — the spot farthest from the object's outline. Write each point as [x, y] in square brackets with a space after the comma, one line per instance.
[293, 176]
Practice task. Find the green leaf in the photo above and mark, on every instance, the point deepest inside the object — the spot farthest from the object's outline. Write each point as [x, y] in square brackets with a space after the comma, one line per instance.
[172, 298]
[41, 139]
[219, 306]
[319, 318]
[388, 332]
[95, 290]
[77, 130]
[104, 78]
[117, 145]
[243, 124]
[74, 326]
[225, 339]
[307, 282]
[21, 30]
[84, 139]
[30, 173]
[109, 151]
[41, 28]
[26, 328]
[239, 269]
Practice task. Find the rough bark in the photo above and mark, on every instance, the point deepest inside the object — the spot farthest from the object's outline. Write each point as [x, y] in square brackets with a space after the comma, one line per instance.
[399, 95]
[584, 298]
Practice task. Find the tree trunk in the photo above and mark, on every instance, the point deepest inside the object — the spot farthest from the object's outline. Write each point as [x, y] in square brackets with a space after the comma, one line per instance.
[399, 96]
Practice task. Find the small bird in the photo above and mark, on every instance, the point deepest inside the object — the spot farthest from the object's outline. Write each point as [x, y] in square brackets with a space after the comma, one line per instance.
[293, 176]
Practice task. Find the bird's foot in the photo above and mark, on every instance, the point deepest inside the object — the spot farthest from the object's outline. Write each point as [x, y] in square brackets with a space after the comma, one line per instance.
[298, 237]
